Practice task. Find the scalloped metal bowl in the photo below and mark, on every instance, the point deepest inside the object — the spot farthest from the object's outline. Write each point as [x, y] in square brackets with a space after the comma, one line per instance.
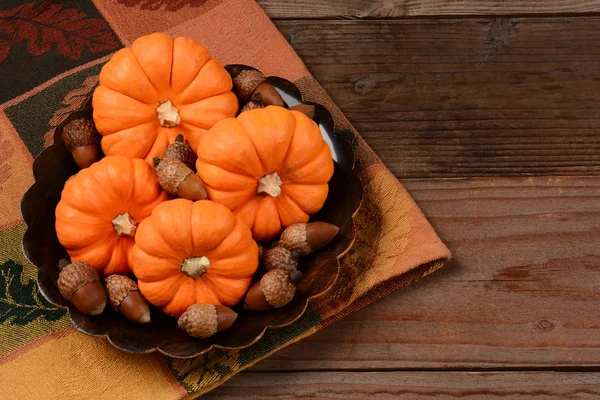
[40, 245]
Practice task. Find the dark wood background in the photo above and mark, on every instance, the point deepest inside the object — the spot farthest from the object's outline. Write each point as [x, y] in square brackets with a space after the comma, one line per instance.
[489, 113]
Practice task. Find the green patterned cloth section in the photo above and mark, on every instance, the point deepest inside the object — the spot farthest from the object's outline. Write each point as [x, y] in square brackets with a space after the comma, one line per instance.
[24, 314]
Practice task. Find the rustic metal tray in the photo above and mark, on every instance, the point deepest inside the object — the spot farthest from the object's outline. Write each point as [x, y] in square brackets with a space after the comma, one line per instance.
[41, 247]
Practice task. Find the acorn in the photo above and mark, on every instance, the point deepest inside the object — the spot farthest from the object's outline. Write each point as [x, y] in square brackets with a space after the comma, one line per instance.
[178, 179]
[83, 141]
[125, 297]
[79, 283]
[249, 82]
[270, 95]
[274, 290]
[306, 109]
[307, 237]
[204, 320]
[180, 150]
[282, 258]
[255, 102]
[245, 82]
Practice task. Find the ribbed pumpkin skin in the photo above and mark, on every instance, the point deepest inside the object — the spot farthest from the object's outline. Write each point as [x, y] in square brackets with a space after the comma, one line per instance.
[181, 229]
[90, 201]
[155, 69]
[236, 153]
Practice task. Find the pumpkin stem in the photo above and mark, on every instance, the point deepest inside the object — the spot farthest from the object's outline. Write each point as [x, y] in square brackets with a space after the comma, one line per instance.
[195, 266]
[270, 185]
[124, 225]
[168, 115]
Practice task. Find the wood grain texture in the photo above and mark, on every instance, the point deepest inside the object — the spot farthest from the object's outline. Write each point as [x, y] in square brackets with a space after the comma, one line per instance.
[420, 8]
[521, 291]
[464, 97]
[410, 385]
[507, 92]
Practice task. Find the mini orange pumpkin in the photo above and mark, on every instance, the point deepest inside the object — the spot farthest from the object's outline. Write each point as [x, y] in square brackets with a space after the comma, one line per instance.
[157, 89]
[100, 207]
[193, 252]
[270, 166]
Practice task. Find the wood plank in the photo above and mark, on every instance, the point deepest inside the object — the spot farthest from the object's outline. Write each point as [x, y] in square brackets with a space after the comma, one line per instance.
[464, 97]
[410, 385]
[522, 290]
[420, 8]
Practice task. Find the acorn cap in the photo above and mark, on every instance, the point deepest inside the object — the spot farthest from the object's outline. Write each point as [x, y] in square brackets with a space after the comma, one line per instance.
[180, 150]
[255, 102]
[250, 106]
[178, 179]
[204, 320]
[74, 276]
[307, 237]
[170, 173]
[199, 320]
[80, 132]
[125, 297]
[246, 82]
[282, 258]
[279, 286]
[118, 288]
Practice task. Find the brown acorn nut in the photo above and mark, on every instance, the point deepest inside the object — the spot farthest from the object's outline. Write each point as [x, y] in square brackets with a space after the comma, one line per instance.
[125, 297]
[306, 109]
[250, 82]
[180, 150]
[270, 96]
[176, 178]
[204, 320]
[79, 283]
[82, 140]
[307, 237]
[275, 289]
[282, 258]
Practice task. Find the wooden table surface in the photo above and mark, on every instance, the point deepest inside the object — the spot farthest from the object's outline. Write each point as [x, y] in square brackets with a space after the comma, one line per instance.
[489, 114]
